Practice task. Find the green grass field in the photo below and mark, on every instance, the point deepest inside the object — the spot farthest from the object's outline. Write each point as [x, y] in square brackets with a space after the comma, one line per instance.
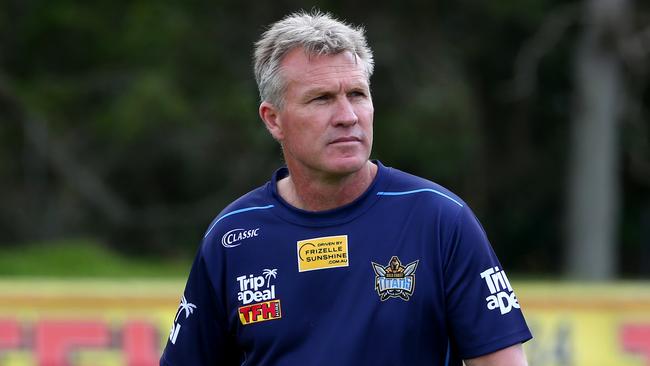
[83, 258]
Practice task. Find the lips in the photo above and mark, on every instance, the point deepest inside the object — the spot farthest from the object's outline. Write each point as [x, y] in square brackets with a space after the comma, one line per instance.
[346, 139]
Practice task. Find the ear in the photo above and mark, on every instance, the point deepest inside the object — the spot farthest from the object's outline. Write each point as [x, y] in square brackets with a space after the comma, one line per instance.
[270, 115]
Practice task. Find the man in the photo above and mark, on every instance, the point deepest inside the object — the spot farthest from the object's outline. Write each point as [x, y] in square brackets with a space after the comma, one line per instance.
[339, 260]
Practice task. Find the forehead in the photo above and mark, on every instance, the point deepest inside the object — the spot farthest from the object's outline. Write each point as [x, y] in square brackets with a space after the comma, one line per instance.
[312, 71]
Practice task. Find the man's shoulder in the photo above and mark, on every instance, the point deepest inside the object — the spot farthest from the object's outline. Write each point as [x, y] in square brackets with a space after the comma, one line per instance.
[242, 210]
[407, 185]
[257, 197]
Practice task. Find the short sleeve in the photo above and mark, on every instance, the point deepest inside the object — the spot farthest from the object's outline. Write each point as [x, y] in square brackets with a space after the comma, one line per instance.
[199, 332]
[483, 312]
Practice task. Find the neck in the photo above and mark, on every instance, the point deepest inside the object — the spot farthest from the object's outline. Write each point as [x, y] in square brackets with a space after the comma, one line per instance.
[325, 193]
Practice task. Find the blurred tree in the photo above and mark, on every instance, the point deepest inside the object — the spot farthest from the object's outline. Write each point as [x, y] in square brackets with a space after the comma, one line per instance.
[136, 121]
[594, 184]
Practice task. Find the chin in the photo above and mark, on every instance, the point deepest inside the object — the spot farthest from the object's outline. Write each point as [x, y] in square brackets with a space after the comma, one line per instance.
[346, 165]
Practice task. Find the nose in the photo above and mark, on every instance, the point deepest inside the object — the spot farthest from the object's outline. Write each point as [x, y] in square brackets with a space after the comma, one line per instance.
[344, 114]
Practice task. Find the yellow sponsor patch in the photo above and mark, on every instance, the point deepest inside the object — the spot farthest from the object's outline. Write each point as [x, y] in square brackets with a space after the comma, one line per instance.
[260, 312]
[323, 253]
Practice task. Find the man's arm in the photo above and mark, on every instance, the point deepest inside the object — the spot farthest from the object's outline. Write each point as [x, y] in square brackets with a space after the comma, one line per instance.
[200, 330]
[511, 356]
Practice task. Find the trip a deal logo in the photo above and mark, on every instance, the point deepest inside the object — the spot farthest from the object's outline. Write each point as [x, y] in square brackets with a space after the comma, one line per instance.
[502, 296]
[257, 295]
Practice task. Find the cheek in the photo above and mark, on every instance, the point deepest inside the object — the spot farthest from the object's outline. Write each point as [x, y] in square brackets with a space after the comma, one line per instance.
[308, 129]
[366, 118]
[366, 111]
[300, 137]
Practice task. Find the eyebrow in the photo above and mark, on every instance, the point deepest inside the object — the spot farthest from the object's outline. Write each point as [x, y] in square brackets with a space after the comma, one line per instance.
[318, 90]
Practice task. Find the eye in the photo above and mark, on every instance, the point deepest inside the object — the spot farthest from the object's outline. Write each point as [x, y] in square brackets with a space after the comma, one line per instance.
[357, 94]
[321, 98]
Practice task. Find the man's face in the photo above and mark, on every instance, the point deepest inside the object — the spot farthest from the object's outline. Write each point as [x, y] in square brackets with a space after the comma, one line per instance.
[325, 125]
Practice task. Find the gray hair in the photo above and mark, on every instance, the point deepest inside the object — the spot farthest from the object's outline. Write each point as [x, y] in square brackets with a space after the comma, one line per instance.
[317, 34]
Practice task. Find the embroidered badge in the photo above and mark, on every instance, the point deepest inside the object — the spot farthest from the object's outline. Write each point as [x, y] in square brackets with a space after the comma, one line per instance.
[395, 280]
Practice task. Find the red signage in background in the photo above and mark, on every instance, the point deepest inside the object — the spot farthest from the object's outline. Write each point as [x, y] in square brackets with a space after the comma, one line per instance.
[127, 323]
[85, 323]
[54, 342]
[590, 324]
[636, 339]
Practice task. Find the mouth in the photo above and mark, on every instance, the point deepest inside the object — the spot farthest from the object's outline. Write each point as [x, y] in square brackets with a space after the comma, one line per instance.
[345, 139]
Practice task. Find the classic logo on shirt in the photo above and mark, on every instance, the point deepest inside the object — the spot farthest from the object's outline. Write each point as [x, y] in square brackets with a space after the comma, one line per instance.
[186, 307]
[322, 253]
[234, 237]
[502, 296]
[395, 280]
[258, 297]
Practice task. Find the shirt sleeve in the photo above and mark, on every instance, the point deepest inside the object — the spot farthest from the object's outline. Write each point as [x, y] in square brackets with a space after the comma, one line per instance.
[199, 333]
[483, 312]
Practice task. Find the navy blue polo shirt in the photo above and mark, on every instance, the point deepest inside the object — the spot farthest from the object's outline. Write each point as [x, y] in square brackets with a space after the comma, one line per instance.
[403, 275]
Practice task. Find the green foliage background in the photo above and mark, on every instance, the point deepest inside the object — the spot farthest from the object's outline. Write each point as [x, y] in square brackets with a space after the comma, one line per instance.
[135, 122]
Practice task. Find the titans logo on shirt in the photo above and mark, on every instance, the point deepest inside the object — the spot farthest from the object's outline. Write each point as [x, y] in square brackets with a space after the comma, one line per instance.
[395, 280]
